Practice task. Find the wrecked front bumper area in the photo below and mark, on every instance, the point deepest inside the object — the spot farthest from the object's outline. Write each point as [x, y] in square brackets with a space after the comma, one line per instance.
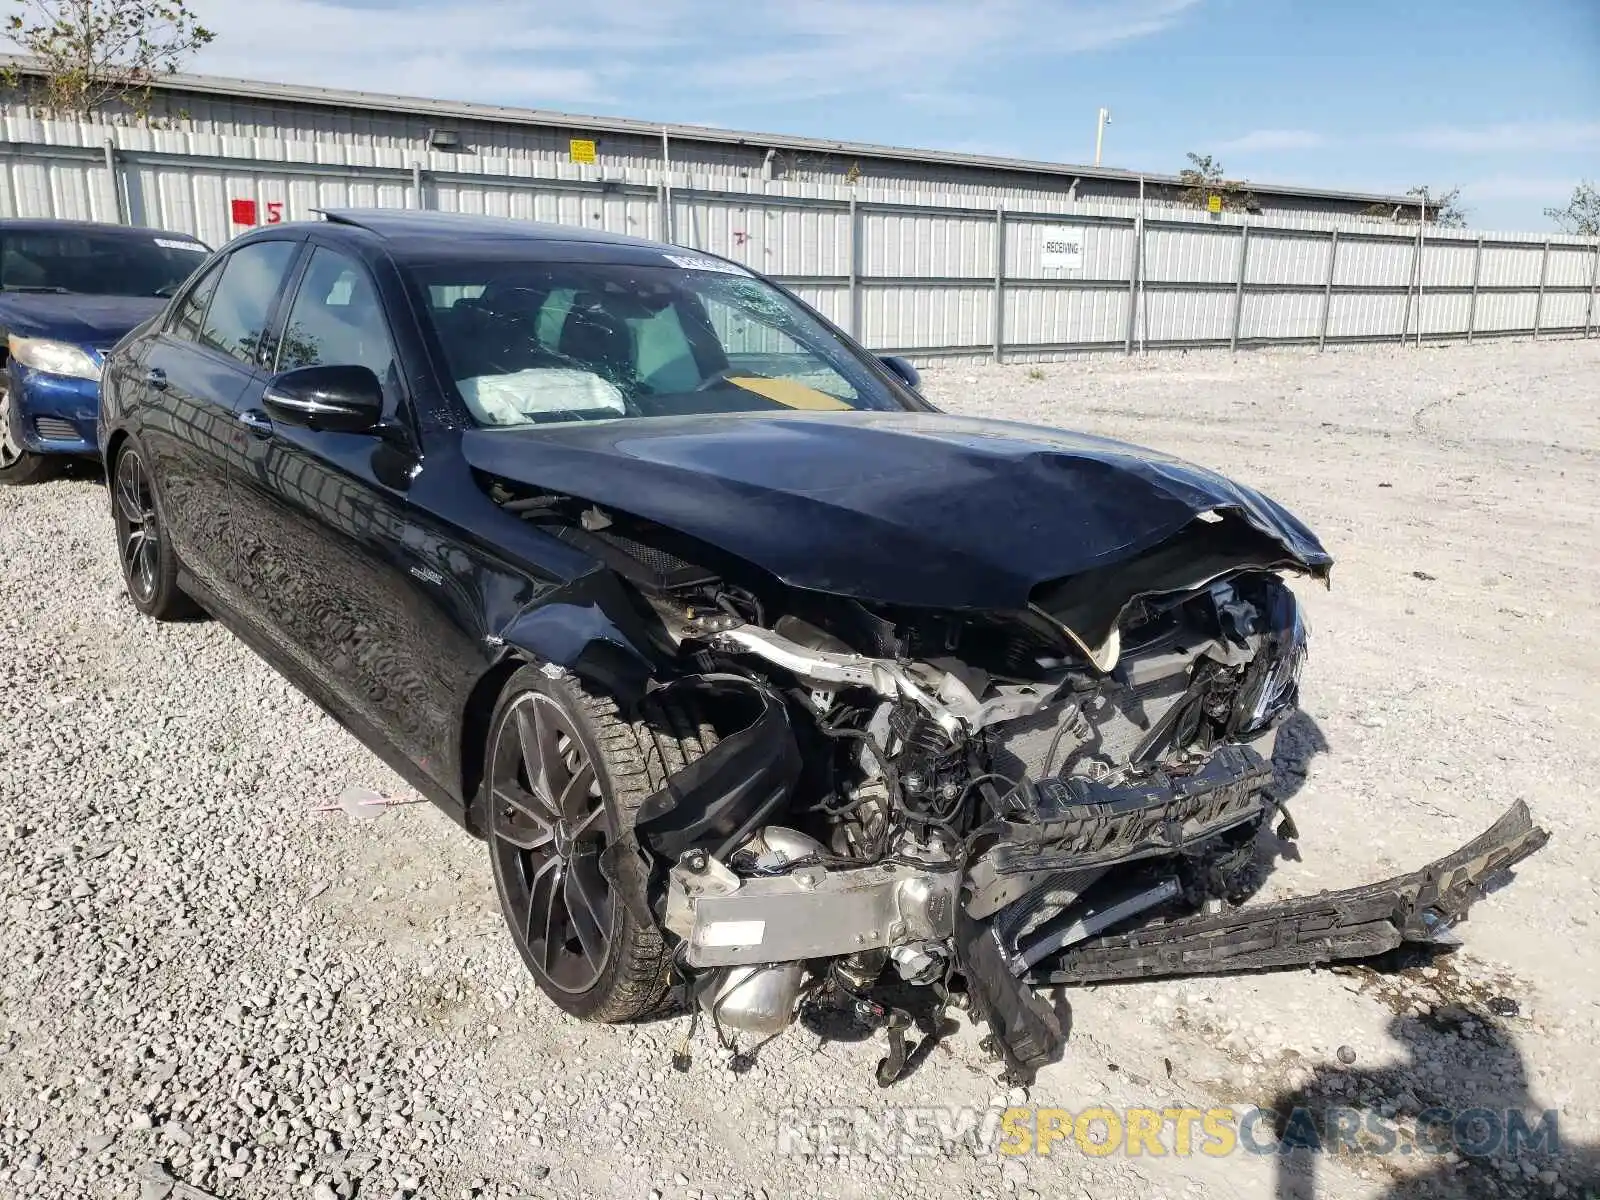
[969, 804]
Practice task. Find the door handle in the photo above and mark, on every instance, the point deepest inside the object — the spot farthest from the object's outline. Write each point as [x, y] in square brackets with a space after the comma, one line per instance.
[257, 422]
[156, 378]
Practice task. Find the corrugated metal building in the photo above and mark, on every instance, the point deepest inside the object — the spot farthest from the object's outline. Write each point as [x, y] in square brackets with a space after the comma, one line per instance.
[635, 151]
[927, 254]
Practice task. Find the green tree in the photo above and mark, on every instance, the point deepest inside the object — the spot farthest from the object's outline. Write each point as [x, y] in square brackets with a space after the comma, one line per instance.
[1582, 213]
[1204, 177]
[93, 53]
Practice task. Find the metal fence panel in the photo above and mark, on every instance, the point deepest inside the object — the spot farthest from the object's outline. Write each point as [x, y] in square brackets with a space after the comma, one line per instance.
[1570, 266]
[906, 318]
[1506, 311]
[1366, 316]
[1511, 266]
[927, 245]
[1564, 311]
[1448, 264]
[1367, 263]
[1267, 316]
[1441, 313]
[1191, 254]
[1066, 317]
[1178, 317]
[1288, 260]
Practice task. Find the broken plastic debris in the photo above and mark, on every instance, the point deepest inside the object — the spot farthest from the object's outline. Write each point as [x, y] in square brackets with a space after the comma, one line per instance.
[362, 804]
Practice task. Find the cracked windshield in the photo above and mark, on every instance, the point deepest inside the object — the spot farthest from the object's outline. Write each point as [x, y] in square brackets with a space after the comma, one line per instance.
[539, 343]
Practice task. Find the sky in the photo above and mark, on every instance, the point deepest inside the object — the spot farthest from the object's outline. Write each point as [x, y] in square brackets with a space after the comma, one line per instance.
[1500, 98]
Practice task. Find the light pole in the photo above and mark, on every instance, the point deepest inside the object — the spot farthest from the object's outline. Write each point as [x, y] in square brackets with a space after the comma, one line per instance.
[1100, 133]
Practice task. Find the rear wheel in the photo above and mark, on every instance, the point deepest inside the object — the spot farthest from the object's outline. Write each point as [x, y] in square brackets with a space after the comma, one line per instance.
[149, 567]
[565, 775]
[18, 465]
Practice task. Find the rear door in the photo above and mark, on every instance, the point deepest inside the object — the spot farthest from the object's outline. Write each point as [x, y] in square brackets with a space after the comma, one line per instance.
[196, 379]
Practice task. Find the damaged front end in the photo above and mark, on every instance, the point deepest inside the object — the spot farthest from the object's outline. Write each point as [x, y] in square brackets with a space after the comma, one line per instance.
[984, 802]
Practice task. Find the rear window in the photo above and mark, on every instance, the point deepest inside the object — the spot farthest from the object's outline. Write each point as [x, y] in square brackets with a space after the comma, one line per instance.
[97, 264]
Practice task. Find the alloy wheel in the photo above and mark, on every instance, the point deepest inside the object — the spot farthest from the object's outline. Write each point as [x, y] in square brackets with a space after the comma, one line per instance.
[138, 531]
[10, 449]
[549, 823]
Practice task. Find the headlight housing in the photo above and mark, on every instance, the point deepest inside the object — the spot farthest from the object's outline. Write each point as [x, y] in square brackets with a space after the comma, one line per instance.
[55, 358]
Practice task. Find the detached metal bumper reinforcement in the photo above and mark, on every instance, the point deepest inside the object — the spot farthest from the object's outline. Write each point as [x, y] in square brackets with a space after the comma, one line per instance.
[1354, 923]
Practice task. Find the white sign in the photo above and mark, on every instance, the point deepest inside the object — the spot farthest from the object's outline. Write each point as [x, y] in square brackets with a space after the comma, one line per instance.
[1063, 248]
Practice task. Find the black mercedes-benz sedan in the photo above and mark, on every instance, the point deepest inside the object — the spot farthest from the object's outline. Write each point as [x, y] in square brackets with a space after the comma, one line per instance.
[767, 684]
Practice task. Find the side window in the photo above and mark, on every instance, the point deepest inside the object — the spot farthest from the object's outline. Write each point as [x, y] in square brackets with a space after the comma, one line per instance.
[336, 319]
[236, 321]
[191, 314]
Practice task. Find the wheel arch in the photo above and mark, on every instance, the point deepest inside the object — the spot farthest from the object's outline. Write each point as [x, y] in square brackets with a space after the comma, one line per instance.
[575, 637]
[114, 444]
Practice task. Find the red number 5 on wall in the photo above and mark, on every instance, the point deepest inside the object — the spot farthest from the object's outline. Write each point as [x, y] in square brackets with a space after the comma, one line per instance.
[274, 212]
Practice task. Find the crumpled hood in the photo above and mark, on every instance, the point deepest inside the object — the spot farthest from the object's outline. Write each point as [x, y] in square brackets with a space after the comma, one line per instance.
[912, 508]
[97, 321]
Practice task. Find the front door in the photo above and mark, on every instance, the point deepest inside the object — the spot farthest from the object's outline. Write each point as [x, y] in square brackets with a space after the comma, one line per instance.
[331, 551]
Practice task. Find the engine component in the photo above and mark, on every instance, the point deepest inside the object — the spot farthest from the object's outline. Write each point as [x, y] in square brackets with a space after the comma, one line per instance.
[857, 972]
[921, 963]
[945, 697]
[753, 999]
[809, 911]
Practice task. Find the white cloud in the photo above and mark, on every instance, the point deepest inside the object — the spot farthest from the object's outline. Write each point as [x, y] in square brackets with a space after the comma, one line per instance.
[607, 51]
[1269, 140]
[1508, 137]
[844, 47]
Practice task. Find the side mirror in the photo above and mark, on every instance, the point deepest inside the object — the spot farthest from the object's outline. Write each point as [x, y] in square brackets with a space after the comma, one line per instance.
[341, 399]
[903, 368]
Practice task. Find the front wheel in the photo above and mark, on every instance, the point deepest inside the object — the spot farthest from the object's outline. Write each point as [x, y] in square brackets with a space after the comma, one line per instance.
[565, 775]
[19, 465]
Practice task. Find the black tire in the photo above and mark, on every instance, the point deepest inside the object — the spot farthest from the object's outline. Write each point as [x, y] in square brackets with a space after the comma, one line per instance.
[552, 894]
[149, 566]
[19, 467]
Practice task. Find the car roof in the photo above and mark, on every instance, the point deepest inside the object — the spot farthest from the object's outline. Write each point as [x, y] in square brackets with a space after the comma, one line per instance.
[412, 235]
[43, 225]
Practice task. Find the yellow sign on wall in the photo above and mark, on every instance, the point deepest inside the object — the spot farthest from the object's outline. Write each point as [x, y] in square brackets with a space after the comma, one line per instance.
[583, 150]
[1213, 201]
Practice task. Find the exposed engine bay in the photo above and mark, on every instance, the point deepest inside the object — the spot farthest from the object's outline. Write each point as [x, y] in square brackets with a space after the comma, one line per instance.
[981, 803]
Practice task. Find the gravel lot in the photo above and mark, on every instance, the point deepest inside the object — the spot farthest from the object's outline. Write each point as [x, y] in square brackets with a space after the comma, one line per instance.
[205, 979]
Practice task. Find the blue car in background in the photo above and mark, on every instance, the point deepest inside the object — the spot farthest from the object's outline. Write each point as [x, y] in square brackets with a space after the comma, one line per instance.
[69, 291]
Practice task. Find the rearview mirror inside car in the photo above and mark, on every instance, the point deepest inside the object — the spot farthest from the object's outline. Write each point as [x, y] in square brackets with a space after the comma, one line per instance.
[903, 369]
[332, 399]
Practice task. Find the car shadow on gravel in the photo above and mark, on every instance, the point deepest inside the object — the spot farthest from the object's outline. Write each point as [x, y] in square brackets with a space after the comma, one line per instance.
[1459, 1104]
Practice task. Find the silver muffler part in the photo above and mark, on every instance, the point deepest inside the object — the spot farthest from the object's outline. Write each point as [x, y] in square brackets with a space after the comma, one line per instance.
[809, 911]
[752, 999]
